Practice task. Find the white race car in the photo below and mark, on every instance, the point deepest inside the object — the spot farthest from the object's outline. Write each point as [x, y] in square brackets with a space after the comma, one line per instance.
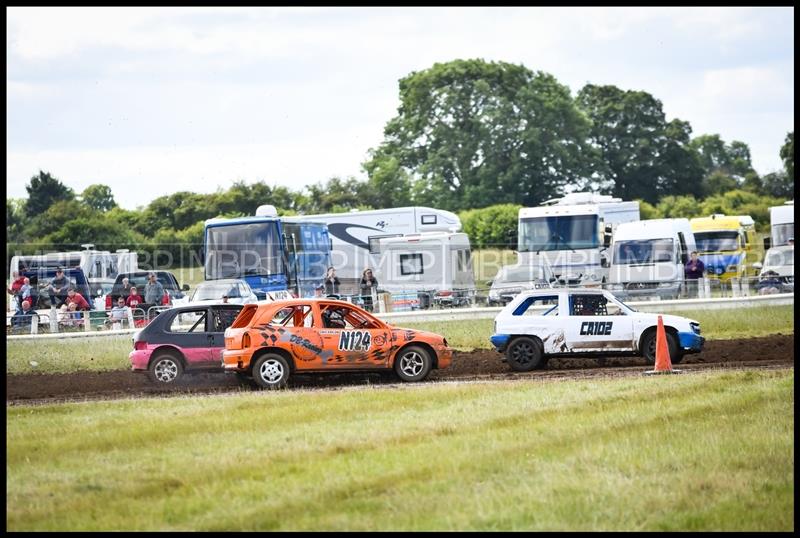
[581, 322]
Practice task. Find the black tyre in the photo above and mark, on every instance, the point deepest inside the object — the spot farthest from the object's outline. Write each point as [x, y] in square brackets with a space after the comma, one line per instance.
[649, 348]
[271, 371]
[165, 369]
[525, 354]
[412, 363]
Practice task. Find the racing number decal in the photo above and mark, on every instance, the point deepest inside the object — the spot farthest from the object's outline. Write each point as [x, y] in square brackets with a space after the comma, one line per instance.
[354, 341]
[597, 328]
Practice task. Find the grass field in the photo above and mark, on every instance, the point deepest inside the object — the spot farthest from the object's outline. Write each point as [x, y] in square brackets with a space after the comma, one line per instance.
[711, 451]
[111, 352]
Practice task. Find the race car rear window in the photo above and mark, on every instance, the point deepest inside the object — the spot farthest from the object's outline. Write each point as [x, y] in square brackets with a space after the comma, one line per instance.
[538, 306]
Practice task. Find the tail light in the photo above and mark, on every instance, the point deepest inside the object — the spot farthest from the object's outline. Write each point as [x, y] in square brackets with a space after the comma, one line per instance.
[108, 302]
[140, 346]
[245, 340]
[165, 298]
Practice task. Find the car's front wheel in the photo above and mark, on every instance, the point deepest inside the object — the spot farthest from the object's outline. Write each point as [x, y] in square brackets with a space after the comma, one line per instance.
[271, 371]
[649, 348]
[413, 364]
[165, 368]
[524, 354]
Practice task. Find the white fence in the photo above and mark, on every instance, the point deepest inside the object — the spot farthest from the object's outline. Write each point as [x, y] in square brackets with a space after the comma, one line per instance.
[456, 314]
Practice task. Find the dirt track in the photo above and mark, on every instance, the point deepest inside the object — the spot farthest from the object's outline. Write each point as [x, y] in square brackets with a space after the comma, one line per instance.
[775, 351]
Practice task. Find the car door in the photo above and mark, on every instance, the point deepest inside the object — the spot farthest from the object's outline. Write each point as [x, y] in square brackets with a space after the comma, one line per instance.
[188, 330]
[222, 317]
[362, 342]
[595, 323]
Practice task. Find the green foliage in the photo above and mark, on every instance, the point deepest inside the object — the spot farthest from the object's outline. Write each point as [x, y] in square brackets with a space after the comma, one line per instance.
[740, 202]
[648, 211]
[43, 191]
[641, 155]
[787, 155]
[98, 197]
[491, 227]
[778, 184]
[677, 207]
[471, 133]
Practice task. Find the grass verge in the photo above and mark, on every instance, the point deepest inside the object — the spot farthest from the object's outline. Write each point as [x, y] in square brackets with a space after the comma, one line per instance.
[711, 451]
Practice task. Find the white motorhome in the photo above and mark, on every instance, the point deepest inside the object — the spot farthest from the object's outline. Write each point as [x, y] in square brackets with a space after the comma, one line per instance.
[648, 256]
[426, 264]
[573, 234]
[781, 220]
[354, 235]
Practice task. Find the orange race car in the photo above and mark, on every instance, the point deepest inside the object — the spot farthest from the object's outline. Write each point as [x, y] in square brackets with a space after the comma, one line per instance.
[269, 341]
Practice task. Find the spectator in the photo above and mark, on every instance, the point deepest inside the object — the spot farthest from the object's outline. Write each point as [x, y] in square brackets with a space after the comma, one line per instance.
[70, 317]
[73, 297]
[58, 288]
[134, 299]
[224, 298]
[368, 284]
[23, 316]
[331, 282]
[769, 283]
[153, 290]
[16, 284]
[693, 271]
[318, 291]
[126, 287]
[25, 291]
[118, 314]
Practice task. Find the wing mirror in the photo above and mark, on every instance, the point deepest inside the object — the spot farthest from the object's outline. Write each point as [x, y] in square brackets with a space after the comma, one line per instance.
[185, 287]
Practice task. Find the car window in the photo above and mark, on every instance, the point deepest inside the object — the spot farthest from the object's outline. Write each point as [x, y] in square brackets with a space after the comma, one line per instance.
[223, 318]
[589, 305]
[343, 317]
[294, 316]
[538, 306]
[189, 321]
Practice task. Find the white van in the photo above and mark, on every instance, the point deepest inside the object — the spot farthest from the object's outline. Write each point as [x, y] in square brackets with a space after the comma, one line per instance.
[648, 257]
[434, 264]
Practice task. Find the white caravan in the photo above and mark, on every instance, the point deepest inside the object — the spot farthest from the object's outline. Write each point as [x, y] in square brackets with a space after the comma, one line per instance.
[648, 256]
[573, 234]
[781, 220]
[354, 235]
[433, 265]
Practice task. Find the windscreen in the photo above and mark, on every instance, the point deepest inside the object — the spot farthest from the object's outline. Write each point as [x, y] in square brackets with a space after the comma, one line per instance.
[238, 250]
[781, 233]
[717, 241]
[520, 274]
[205, 292]
[780, 257]
[644, 251]
[558, 233]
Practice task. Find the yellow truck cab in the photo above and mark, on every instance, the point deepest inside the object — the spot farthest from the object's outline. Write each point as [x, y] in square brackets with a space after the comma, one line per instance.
[725, 245]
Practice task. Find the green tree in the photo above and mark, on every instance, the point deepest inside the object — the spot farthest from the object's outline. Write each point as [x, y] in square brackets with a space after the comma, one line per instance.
[672, 207]
[43, 191]
[16, 220]
[726, 166]
[778, 184]
[491, 227]
[98, 197]
[642, 155]
[470, 133]
[787, 155]
[389, 183]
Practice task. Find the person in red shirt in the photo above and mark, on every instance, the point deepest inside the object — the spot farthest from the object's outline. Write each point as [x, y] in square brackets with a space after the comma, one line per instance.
[16, 284]
[75, 297]
[134, 299]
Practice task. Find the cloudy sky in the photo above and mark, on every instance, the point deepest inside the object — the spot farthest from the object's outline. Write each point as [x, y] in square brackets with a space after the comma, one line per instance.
[154, 100]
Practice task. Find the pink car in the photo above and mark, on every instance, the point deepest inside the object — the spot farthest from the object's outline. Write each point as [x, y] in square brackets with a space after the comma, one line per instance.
[183, 339]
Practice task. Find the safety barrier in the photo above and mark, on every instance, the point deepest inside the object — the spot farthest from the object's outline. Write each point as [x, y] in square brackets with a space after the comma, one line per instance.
[455, 314]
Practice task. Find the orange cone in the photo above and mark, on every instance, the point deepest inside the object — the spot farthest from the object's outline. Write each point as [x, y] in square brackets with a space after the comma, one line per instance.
[663, 361]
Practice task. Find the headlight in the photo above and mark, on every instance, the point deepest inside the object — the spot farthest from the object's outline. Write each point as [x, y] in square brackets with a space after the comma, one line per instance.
[665, 284]
[695, 328]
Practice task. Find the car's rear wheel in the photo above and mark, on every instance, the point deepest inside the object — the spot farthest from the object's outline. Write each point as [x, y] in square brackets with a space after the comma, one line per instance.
[413, 363]
[165, 368]
[524, 354]
[649, 348]
[271, 371]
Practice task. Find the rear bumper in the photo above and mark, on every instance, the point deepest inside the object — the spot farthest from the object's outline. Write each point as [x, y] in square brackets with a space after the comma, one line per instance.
[691, 342]
[139, 359]
[237, 360]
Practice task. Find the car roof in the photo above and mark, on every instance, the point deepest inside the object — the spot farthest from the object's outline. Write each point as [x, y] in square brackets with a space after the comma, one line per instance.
[221, 281]
[781, 248]
[551, 291]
